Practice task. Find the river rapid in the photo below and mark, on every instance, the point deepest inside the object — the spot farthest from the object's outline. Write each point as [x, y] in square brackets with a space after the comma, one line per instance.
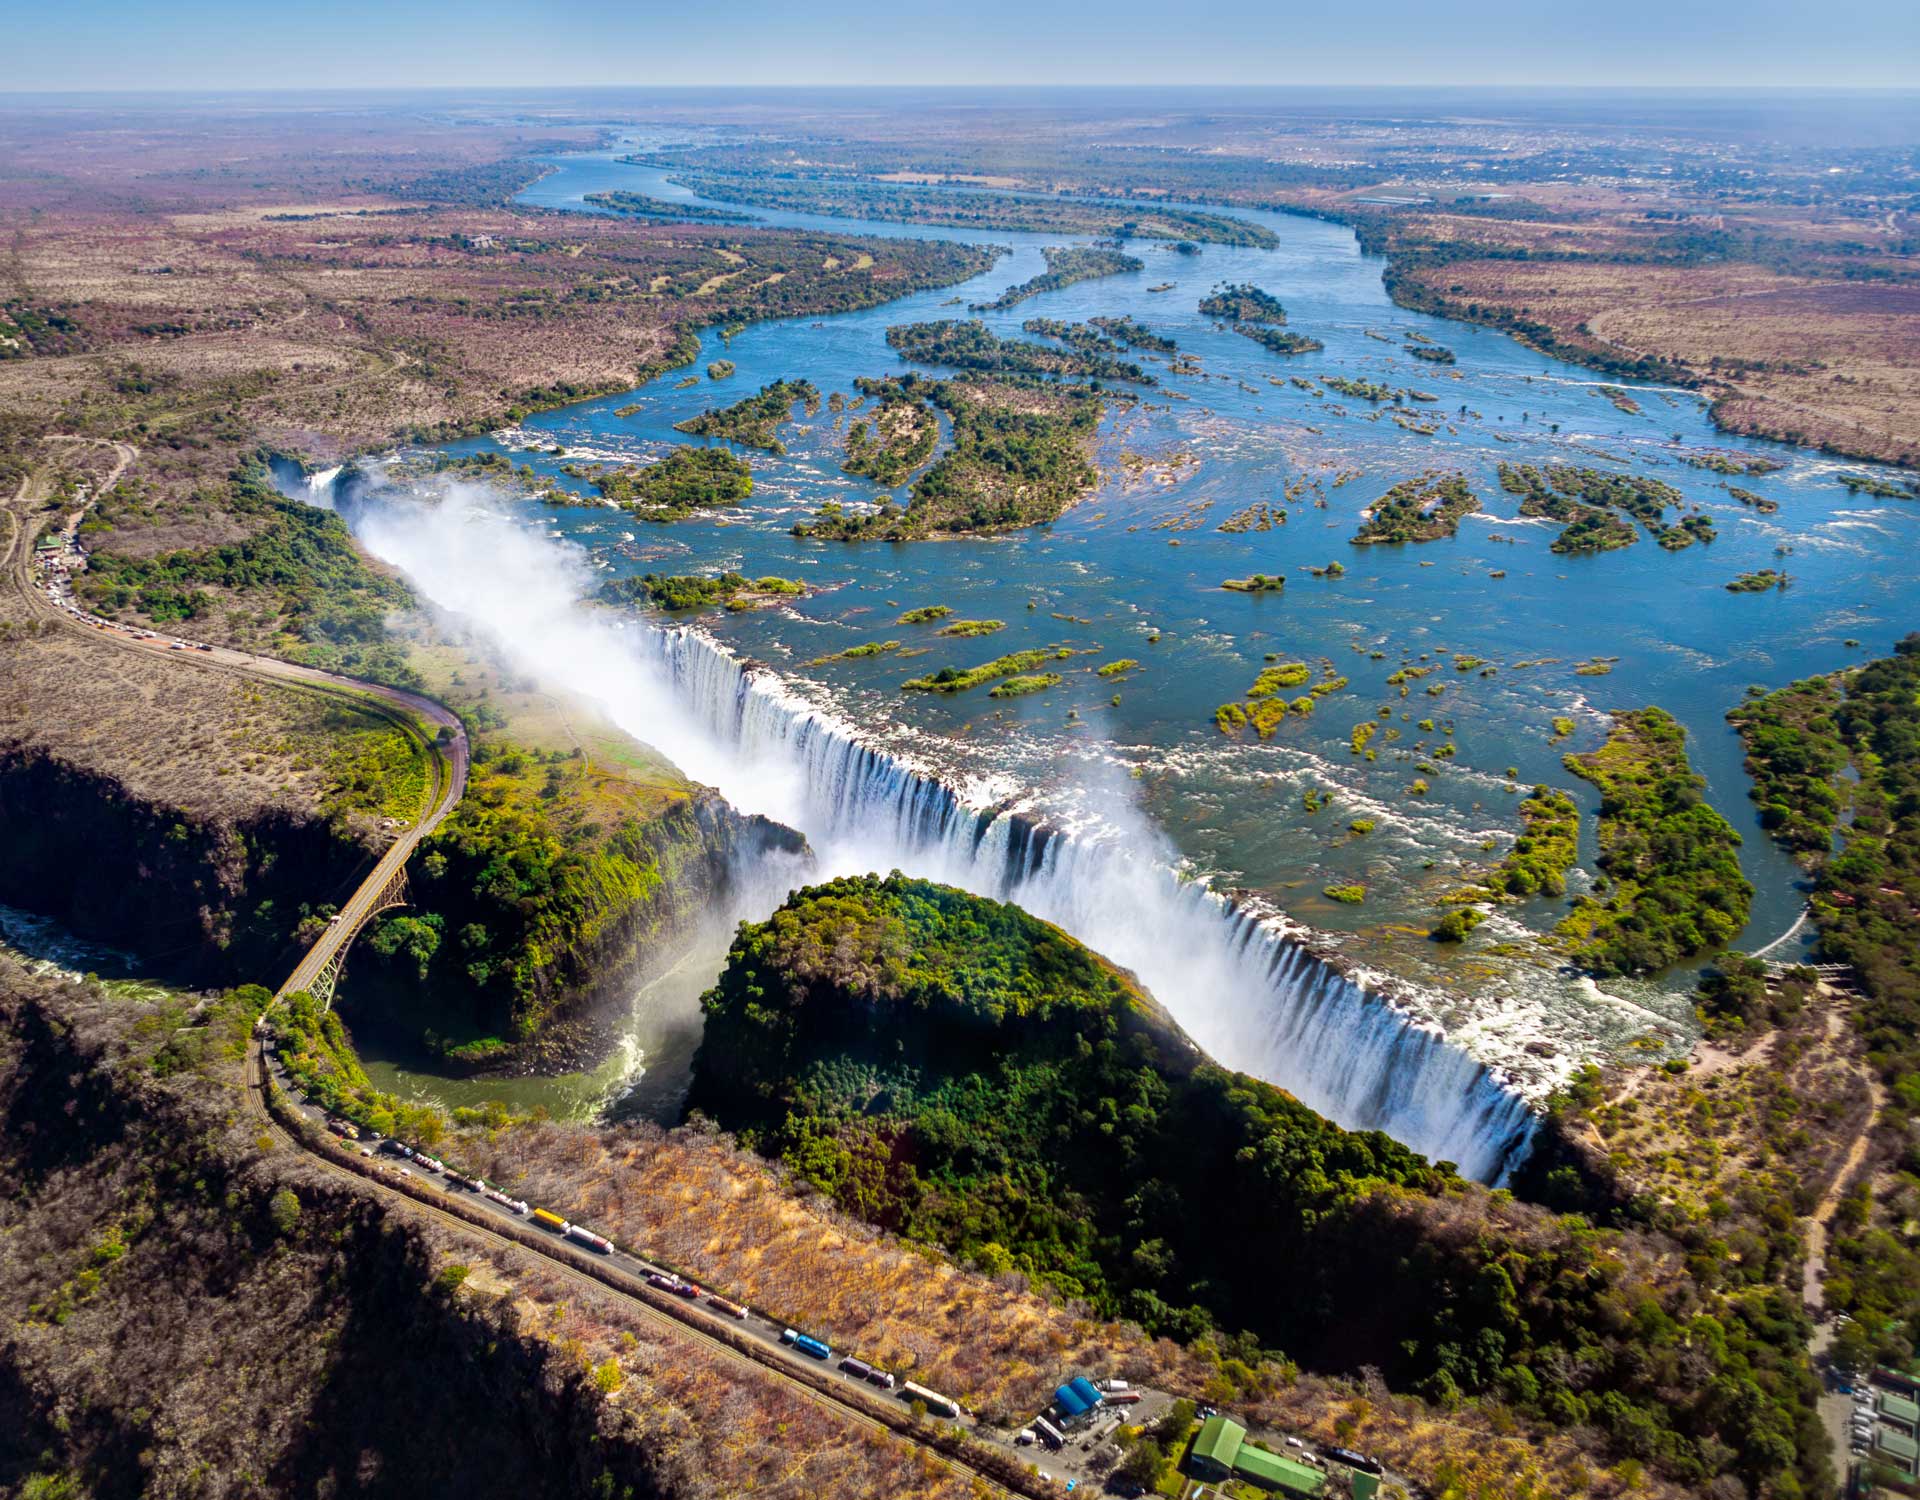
[1114, 805]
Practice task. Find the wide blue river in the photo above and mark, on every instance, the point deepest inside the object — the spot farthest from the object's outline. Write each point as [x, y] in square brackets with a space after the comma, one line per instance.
[1135, 570]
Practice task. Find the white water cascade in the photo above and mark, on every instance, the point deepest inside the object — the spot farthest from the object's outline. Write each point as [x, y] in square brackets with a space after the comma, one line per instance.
[1243, 982]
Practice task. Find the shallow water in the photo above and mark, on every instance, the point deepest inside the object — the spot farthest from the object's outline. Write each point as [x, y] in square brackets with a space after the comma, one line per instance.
[1108, 575]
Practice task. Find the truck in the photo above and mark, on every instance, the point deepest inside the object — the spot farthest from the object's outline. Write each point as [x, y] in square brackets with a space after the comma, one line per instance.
[1049, 1434]
[730, 1309]
[807, 1345]
[858, 1368]
[1354, 1460]
[588, 1238]
[939, 1405]
[549, 1220]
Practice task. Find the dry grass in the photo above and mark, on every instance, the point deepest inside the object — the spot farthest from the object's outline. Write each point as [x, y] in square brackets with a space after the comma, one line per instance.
[726, 1219]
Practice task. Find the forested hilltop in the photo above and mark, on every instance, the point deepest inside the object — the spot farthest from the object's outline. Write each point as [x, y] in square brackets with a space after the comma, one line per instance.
[962, 1073]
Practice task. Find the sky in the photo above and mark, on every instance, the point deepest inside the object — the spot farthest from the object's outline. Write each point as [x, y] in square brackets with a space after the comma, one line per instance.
[229, 44]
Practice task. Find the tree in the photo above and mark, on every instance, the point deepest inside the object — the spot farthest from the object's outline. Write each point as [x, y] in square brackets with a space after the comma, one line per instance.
[284, 1210]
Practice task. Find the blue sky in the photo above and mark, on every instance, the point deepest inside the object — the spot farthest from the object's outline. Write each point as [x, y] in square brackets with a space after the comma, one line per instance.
[222, 44]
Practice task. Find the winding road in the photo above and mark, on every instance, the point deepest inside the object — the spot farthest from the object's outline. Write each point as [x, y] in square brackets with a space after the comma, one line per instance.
[448, 751]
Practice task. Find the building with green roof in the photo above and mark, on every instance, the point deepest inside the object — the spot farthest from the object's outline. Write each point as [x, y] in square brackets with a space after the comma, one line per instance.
[1900, 1409]
[1897, 1448]
[1221, 1451]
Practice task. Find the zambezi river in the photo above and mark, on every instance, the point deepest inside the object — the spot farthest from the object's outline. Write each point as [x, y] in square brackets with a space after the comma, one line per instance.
[1113, 804]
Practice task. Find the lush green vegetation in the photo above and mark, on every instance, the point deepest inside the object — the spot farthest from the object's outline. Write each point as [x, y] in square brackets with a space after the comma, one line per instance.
[972, 346]
[1020, 687]
[1586, 499]
[959, 679]
[645, 206]
[963, 1074]
[1538, 862]
[900, 436]
[1757, 583]
[755, 421]
[1674, 886]
[1066, 264]
[1421, 509]
[852, 198]
[1278, 340]
[1732, 463]
[691, 591]
[296, 571]
[720, 369]
[1018, 458]
[1362, 390]
[858, 653]
[926, 614]
[686, 480]
[1259, 583]
[1241, 303]
[1882, 489]
[1867, 906]
[1432, 353]
[1134, 335]
[973, 627]
[1795, 754]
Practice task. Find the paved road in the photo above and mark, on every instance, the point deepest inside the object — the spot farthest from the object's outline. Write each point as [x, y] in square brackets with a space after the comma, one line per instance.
[620, 1275]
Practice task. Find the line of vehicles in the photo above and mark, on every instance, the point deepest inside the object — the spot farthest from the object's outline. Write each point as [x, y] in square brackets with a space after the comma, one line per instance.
[665, 1281]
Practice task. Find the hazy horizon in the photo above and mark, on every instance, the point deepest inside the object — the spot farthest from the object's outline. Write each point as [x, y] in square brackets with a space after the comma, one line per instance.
[117, 45]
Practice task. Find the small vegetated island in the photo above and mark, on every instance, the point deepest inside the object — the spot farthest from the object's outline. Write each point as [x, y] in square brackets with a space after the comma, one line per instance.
[1258, 583]
[1083, 337]
[973, 346]
[1066, 264]
[645, 206]
[1257, 315]
[855, 198]
[898, 439]
[1422, 509]
[687, 480]
[1592, 503]
[755, 421]
[1433, 354]
[680, 591]
[1243, 303]
[1674, 884]
[1758, 583]
[1267, 705]
[1016, 664]
[1134, 335]
[1020, 457]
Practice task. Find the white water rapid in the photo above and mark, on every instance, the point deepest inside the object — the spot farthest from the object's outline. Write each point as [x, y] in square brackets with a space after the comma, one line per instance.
[1244, 983]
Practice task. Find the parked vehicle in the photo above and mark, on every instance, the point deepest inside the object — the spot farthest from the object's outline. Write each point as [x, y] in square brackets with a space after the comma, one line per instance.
[731, 1309]
[939, 1405]
[547, 1219]
[588, 1238]
[858, 1368]
[1354, 1460]
[811, 1347]
[882, 1379]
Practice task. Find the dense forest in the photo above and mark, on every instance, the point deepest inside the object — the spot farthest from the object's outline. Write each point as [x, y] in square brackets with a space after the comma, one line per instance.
[1066, 264]
[1587, 500]
[964, 1074]
[973, 346]
[1422, 509]
[755, 421]
[688, 479]
[1673, 887]
[1018, 458]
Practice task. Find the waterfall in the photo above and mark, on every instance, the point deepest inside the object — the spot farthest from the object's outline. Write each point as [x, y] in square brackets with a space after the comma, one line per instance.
[1248, 986]
[1243, 983]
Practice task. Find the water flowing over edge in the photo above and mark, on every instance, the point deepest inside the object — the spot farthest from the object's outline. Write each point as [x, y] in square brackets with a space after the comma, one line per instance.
[1326, 1033]
[1246, 984]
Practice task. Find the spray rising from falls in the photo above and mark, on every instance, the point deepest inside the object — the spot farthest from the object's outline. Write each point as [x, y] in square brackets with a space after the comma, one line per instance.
[1243, 983]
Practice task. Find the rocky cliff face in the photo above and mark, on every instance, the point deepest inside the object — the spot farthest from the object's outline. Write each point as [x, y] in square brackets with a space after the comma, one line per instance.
[187, 1313]
[204, 900]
